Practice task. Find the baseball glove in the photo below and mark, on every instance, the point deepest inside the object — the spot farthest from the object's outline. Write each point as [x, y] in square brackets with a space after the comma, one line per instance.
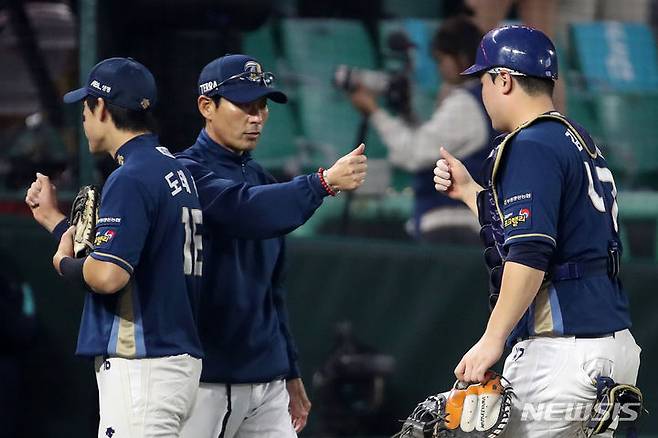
[614, 402]
[84, 214]
[468, 410]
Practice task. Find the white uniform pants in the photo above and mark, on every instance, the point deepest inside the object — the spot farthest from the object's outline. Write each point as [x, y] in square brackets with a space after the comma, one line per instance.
[242, 411]
[145, 397]
[553, 379]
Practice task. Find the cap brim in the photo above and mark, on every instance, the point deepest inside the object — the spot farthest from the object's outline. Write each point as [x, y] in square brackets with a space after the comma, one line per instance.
[76, 95]
[249, 93]
[474, 69]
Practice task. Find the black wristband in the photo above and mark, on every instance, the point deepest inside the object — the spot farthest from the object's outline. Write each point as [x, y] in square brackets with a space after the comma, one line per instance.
[71, 270]
[60, 229]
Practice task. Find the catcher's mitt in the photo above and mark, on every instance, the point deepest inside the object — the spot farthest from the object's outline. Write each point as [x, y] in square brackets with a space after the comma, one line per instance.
[468, 410]
[84, 215]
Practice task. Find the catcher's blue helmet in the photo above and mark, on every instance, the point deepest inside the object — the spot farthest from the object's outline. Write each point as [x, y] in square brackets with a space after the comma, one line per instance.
[522, 49]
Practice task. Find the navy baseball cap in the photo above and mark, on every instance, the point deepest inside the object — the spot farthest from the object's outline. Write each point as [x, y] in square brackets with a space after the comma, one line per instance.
[238, 78]
[123, 82]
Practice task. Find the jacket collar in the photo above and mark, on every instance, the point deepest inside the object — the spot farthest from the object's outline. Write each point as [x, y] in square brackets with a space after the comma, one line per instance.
[215, 151]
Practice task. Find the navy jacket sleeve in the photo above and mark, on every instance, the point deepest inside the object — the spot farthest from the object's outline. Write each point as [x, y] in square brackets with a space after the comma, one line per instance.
[123, 223]
[279, 297]
[255, 211]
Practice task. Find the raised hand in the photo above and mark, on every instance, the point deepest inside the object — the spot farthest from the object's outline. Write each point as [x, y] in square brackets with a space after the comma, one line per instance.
[349, 172]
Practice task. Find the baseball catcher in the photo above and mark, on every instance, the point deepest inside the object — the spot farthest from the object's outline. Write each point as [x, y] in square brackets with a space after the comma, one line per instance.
[479, 410]
[84, 215]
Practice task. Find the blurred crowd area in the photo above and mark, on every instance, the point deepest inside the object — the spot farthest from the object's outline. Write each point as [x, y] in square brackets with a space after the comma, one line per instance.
[320, 52]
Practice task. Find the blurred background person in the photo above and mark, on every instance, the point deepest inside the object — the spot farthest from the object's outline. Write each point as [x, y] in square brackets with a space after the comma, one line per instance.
[17, 331]
[459, 123]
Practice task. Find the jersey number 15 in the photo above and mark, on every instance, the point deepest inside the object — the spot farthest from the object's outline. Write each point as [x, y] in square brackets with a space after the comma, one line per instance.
[192, 250]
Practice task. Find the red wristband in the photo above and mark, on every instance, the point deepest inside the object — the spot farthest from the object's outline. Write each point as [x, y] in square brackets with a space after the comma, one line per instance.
[326, 186]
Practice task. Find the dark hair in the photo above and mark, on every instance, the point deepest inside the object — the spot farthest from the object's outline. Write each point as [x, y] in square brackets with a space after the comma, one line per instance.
[536, 86]
[126, 119]
[532, 85]
[459, 37]
[216, 98]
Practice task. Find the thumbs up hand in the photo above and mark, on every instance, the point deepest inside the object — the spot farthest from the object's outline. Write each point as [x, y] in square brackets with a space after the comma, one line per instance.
[452, 179]
[349, 172]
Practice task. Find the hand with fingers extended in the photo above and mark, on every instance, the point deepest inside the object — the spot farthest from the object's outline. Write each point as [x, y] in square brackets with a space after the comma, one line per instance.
[349, 172]
[41, 197]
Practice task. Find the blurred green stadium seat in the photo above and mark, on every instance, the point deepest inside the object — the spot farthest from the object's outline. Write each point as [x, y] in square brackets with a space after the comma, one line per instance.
[619, 70]
[637, 209]
[313, 48]
[630, 144]
[614, 56]
[406, 8]
[260, 44]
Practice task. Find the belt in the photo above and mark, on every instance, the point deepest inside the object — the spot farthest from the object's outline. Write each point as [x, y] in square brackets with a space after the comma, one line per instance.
[583, 336]
[595, 335]
[573, 271]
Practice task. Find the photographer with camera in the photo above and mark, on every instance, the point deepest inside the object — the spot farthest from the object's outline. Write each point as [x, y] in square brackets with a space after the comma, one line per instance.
[459, 123]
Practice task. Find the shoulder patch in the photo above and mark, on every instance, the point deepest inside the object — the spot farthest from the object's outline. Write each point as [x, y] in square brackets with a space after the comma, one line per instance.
[104, 238]
[518, 216]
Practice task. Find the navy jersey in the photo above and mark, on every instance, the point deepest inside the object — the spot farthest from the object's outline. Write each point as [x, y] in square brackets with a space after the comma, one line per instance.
[551, 184]
[150, 225]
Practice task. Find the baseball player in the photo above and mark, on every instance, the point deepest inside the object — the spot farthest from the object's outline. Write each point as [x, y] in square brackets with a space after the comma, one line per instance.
[549, 212]
[143, 276]
[251, 383]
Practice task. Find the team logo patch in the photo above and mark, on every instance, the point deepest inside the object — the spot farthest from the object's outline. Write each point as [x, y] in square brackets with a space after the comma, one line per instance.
[518, 217]
[254, 69]
[102, 238]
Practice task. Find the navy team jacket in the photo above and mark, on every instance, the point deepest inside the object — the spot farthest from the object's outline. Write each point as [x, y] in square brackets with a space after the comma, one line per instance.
[243, 321]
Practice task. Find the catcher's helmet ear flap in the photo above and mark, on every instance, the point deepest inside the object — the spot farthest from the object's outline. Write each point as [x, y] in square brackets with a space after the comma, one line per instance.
[520, 48]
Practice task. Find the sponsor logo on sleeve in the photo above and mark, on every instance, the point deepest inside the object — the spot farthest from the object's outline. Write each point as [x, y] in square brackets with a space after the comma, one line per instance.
[108, 221]
[517, 198]
[104, 237]
[517, 218]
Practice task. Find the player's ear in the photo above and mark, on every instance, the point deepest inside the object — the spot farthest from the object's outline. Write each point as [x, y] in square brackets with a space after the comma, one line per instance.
[101, 109]
[206, 106]
[506, 82]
